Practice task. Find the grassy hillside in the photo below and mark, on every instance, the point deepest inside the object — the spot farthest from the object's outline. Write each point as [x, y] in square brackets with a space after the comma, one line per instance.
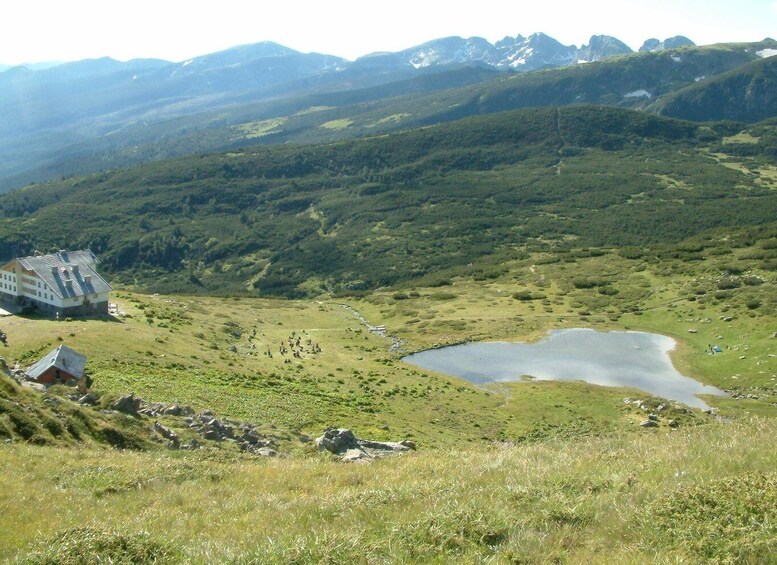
[529, 472]
[532, 472]
[53, 419]
[499, 227]
[211, 353]
[703, 495]
[745, 94]
[387, 210]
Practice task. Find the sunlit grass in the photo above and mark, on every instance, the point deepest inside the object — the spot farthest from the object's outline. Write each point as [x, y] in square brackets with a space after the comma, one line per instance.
[595, 499]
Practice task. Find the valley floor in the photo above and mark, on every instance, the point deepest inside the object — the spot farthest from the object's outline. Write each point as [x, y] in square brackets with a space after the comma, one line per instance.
[529, 472]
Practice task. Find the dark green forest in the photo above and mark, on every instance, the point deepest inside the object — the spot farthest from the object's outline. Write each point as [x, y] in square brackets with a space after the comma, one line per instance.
[420, 205]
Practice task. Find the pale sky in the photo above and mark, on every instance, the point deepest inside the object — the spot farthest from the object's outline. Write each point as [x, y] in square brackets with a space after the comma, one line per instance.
[176, 30]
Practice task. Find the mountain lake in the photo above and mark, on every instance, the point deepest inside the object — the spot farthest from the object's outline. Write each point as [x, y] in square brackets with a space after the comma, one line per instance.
[618, 358]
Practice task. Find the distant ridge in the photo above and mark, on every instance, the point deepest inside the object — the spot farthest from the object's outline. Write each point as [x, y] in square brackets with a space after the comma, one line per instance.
[110, 114]
[653, 44]
[518, 53]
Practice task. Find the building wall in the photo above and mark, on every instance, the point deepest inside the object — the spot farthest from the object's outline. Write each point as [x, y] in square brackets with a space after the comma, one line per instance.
[49, 377]
[8, 284]
[18, 284]
[94, 305]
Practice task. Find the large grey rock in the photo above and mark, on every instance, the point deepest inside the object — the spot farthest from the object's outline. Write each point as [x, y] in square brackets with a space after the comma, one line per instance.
[129, 404]
[342, 442]
[354, 455]
[251, 437]
[165, 432]
[393, 446]
[88, 399]
[337, 440]
[33, 385]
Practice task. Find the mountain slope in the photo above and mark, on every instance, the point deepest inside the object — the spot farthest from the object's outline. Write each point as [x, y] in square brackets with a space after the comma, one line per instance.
[391, 209]
[94, 115]
[747, 94]
[431, 97]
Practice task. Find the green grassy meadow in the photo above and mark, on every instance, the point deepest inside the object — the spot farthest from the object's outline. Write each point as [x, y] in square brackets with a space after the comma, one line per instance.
[529, 472]
[493, 228]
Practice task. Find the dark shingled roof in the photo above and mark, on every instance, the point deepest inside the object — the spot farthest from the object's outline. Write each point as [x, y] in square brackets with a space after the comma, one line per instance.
[68, 273]
[64, 359]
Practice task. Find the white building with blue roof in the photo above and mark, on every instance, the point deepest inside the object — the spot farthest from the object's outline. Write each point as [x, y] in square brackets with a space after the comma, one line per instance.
[62, 284]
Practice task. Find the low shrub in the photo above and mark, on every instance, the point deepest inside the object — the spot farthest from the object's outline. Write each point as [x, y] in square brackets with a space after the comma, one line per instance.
[93, 545]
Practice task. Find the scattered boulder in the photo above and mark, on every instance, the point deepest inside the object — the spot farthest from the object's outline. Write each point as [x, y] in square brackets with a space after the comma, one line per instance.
[166, 432]
[89, 399]
[337, 440]
[178, 410]
[129, 404]
[392, 446]
[158, 409]
[649, 424]
[343, 443]
[4, 367]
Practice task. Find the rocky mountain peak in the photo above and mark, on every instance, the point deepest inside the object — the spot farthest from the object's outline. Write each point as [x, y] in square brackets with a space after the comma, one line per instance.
[654, 44]
[600, 47]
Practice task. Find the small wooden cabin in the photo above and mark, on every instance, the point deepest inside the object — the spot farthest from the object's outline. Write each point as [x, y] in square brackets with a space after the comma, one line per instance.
[60, 366]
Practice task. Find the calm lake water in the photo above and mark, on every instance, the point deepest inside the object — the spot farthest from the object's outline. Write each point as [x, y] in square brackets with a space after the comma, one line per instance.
[627, 359]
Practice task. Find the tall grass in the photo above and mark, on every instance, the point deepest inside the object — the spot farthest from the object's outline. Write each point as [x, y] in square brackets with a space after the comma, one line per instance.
[617, 499]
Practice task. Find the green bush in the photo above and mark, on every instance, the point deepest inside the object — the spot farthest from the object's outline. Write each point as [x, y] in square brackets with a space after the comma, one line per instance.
[82, 545]
[442, 296]
[523, 295]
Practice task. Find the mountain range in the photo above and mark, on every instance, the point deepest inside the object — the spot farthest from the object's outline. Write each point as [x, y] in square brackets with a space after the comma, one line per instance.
[92, 115]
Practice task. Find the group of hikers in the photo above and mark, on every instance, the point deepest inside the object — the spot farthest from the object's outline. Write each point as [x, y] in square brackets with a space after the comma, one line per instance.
[296, 346]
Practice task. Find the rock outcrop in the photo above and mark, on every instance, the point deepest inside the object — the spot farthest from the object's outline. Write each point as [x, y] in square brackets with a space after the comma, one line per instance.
[343, 443]
[129, 404]
[245, 435]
